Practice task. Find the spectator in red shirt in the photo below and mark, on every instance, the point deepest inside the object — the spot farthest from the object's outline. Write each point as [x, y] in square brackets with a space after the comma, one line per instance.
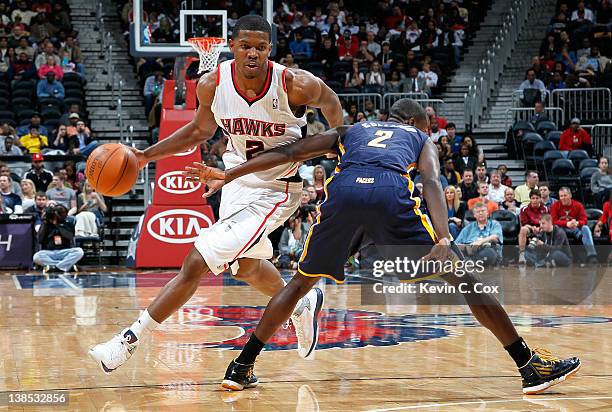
[395, 18]
[431, 112]
[575, 137]
[570, 215]
[530, 220]
[505, 179]
[605, 221]
[348, 46]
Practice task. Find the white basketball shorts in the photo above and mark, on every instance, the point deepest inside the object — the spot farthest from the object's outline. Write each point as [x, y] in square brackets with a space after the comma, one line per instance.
[247, 215]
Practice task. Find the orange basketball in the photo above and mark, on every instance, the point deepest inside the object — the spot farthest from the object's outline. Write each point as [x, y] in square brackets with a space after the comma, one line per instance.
[112, 169]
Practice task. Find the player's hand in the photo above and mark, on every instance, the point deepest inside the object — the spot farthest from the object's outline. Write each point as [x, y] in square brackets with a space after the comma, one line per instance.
[213, 186]
[199, 172]
[140, 156]
[440, 251]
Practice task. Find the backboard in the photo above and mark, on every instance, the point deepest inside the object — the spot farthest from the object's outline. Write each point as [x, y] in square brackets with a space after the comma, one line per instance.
[189, 18]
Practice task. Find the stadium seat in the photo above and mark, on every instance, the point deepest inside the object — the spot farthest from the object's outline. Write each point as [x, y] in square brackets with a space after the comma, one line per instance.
[588, 163]
[25, 122]
[329, 165]
[50, 112]
[585, 183]
[563, 173]
[555, 137]
[74, 100]
[51, 124]
[23, 93]
[468, 218]
[577, 156]
[339, 76]
[50, 102]
[342, 67]
[538, 154]
[4, 93]
[25, 114]
[510, 225]
[350, 90]
[523, 125]
[4, 103]
[528, 144]
[73, 77]
[6, 114]
[334, 85]
[24, 102]
[76, 93]
[25, 85]
[545, 126]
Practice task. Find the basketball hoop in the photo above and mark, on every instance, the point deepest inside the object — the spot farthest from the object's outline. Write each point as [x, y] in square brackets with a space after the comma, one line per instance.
[208, 48]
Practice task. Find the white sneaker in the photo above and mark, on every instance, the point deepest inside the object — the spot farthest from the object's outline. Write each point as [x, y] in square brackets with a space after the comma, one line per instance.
[306, 324]
[114, 353]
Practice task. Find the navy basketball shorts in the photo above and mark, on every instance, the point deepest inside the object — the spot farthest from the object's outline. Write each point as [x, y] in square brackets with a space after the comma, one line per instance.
[379, 201]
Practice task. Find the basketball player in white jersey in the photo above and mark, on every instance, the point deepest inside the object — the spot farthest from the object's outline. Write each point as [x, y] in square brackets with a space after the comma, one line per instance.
[259, 105]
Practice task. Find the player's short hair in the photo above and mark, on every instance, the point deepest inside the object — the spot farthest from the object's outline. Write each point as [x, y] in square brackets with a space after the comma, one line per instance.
[252, 22]
[546, 217]
[535, 192]
[406, 108]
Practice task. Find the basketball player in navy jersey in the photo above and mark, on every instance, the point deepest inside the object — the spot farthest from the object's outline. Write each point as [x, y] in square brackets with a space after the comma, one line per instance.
[373, 190]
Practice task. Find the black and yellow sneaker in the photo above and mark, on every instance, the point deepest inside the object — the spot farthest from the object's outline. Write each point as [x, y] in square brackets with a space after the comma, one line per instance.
[239, 377]
[545, 370]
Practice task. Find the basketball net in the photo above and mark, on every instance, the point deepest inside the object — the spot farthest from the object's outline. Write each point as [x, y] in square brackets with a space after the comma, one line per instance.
[208, 48]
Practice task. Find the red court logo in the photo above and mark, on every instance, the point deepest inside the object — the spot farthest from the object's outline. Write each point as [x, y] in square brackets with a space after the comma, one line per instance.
[175, 182]
[177, 226]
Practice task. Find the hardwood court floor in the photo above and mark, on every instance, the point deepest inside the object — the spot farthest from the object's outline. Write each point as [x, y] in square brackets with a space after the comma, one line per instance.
[393, 358]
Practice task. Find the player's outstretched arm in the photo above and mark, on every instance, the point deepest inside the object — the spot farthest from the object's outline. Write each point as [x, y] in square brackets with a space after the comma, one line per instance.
[198, 130]
[429, 167]
[304, 149]
[305, 89]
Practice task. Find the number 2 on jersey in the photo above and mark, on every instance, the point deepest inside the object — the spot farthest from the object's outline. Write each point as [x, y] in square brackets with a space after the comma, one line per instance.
[382, 136]
[252, 147]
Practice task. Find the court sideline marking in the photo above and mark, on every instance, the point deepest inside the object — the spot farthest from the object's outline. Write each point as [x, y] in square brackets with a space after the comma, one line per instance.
[437, 405]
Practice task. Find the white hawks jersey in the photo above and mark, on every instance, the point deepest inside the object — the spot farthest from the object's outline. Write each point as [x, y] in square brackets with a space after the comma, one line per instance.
[257, 124]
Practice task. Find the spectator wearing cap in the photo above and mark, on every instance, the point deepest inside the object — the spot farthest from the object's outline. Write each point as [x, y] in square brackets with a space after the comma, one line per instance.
[11, 200]
[71, 128]
[34, 122]
[348, 45]
[34, 142]
[575, 137]
[313, 126]
[8, 148]
[386, 56]
[50, 87]
[41, 177]
[65, 119]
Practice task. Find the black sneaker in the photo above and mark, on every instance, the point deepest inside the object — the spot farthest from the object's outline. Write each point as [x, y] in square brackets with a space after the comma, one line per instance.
[544, 370]
[239, 377]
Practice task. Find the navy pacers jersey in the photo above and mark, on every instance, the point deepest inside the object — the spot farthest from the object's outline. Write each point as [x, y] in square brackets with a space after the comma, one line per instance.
[373, 192]
[387, 145]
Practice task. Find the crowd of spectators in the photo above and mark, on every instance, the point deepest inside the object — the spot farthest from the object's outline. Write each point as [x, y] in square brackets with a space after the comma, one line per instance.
[575, 52]
[61, 201]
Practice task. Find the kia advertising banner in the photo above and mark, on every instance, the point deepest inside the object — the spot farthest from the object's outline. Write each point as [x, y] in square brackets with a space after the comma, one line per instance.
[172, 223]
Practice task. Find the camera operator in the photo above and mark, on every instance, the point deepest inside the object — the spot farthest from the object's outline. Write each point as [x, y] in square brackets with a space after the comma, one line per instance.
[550, 245]
[56, 238]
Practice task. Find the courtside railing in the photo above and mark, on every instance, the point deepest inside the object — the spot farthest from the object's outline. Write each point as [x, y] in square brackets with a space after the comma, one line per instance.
[492, 63]
[360, 98]
[517, 96]
[589, 105]
[515, 114]
[390, 98]
[601, 136]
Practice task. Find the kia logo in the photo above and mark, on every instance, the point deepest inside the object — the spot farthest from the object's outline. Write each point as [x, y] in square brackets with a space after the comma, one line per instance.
[177, 225]
[188, 152]
[175, 182]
